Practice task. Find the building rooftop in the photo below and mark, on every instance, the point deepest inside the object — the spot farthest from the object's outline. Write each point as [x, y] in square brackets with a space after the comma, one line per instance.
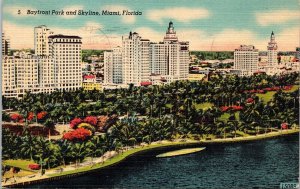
[64, 36]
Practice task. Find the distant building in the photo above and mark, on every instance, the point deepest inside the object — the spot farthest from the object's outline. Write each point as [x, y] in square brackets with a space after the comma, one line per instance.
[113, 67]
[196, 77]
[89, 83]
[272, 51]
[298, 53]
[246, 59]
[5, 45]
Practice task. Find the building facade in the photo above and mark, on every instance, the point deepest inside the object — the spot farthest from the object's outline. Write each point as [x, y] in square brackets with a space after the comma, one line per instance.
[66, 53]
[135, 59]
[59, 70]
[138, 60]
[246, 59]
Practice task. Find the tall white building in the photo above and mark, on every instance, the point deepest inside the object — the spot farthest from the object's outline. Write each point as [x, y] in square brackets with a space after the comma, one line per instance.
[108, 67]
[141, 60]
[66, 52]
[113, 68]
[272, 51]
[246, 59]
[170, 58]
[41, 34]
[60, 70]
[135, 59]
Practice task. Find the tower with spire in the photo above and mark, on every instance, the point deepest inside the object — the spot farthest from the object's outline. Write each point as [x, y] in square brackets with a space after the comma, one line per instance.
[272, 51]
[170, 34]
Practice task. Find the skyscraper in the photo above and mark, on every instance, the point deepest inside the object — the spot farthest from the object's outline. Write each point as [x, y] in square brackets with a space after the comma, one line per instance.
[135, 59]
[272, 51]
[66, 53]
[141, 59]
[170, 58]
[246, 59]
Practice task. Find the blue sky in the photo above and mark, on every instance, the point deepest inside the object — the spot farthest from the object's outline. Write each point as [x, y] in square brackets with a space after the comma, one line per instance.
[206, 24]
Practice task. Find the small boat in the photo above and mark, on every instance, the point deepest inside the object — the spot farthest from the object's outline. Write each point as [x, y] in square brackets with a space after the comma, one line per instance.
[180, 152]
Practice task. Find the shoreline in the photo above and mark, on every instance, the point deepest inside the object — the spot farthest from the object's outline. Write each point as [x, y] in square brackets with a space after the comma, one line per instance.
[123, 155]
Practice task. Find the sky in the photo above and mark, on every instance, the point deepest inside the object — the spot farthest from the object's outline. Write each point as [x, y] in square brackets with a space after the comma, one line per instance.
[217, 25]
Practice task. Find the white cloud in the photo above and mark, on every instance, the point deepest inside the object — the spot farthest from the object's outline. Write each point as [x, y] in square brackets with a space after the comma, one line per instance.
[182, 14]
[71, 9]
[276, 17]
[127, 19]
[94, 36]
[92, 33]
[288, 38]
[20, 36]
[227, 39]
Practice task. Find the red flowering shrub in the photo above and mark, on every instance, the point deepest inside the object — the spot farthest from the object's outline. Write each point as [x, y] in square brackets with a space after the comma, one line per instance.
[287, 88]
[16, 117]
[284, 126]
[260, 91]
[21, 120]
[237, 107]
[224, 108]
[250, 100]
[91, 120]
[75, 122]
[30, 116]
[79, 134]
[41, 115]
[268, 89]
[276, 88]
[34, 166]
[252, 91]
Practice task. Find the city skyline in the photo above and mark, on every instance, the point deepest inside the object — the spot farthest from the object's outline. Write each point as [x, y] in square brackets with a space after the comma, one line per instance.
[208, 25]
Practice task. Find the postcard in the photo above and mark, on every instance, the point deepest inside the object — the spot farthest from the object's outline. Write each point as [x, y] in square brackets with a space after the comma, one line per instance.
[150, 94]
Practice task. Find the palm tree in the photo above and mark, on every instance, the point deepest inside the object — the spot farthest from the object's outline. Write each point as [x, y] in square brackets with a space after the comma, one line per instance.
[27, 148]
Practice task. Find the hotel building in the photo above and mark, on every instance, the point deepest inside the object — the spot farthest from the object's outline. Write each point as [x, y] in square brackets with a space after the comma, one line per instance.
[246, 60]
[55, 66]
[138, 60]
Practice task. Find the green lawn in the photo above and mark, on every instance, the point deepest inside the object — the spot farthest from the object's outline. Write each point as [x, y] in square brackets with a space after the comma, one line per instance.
[267, 96]
[204, 105]
[225, 116]
[169, 105]
[22, 164]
